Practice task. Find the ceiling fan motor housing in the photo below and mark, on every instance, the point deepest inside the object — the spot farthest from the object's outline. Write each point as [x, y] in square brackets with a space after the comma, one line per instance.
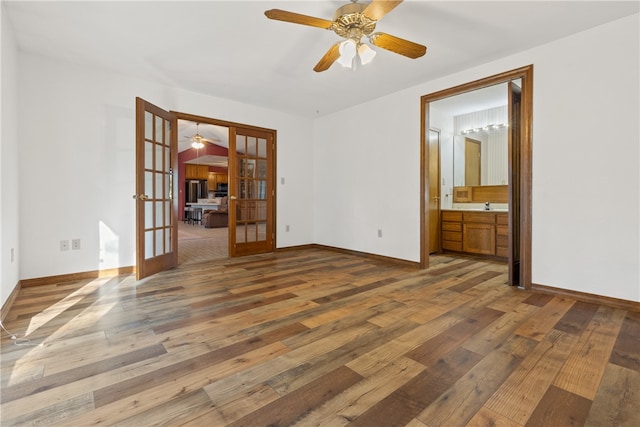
[351, 23]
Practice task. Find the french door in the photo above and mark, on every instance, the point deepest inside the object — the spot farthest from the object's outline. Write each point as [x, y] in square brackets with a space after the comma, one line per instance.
[156, 161]
[251, 191]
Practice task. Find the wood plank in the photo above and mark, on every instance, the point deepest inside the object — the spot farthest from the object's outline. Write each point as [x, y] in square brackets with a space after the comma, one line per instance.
[294, 406]
[626, 351]
[75, 374]
[358, 398]
[583, 371]
[137, 384]
[559, 408]
[486, 417]
[401, 406]
[466, 396]
[616, 402]
[519, 395]
[577, 318]
[539, 325]
[434, 348]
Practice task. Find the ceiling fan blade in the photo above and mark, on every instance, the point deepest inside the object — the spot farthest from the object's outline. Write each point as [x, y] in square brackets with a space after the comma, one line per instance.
[398, 45]
[296, 18]
[377, 9]
[328, 59]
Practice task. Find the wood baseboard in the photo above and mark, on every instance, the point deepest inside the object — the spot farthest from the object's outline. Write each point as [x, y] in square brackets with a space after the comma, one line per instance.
[585, 297]
[9, 302]
[40, 281]
[396, 261]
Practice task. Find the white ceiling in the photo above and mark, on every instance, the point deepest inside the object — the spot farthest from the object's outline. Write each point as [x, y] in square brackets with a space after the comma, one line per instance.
[229, 49]
[212, 134]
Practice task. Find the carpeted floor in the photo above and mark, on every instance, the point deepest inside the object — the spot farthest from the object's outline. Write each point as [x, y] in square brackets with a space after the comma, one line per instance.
[199, 244]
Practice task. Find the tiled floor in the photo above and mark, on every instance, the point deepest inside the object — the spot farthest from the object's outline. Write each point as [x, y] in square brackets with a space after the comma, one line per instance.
[199, 244]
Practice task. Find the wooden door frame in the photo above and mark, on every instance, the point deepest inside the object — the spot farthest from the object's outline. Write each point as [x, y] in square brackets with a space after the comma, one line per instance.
[228, 124]
[525, 166]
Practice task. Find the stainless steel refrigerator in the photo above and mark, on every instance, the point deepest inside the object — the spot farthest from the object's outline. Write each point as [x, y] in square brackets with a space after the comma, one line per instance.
[194, 190]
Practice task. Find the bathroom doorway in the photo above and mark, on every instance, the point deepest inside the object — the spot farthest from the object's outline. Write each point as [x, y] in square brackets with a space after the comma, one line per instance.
[519, 111]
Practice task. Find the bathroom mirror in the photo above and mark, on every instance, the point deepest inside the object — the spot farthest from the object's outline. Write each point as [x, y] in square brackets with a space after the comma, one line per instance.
[474, 129]
[481, 158]
[481, 139]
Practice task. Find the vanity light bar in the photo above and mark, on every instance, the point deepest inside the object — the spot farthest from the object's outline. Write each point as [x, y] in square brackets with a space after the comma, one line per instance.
[486, 128]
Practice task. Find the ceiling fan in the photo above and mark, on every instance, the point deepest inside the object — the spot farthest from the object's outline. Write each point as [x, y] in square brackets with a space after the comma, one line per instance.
[197, 140]
[352, 22]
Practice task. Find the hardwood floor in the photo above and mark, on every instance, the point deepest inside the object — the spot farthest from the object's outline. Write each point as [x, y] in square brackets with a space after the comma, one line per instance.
[314, 337]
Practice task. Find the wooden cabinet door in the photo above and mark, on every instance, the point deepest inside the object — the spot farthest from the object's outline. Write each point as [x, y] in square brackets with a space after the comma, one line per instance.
[190, 171]
[203, 172]
[212, 181]
[479, 238]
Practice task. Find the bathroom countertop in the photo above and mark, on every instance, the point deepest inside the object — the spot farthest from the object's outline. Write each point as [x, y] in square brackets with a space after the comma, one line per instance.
[476, 210]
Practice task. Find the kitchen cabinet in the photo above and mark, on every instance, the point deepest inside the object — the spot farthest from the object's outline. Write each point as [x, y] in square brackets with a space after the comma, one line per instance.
[196, 171]
[475, 232]
[212, 181]
[215, 178]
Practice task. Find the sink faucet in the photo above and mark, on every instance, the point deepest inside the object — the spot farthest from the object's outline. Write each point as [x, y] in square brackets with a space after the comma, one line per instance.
[487, 206]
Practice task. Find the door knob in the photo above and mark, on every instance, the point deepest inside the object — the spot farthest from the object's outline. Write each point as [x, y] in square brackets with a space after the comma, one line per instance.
[233, 198]
[140, 196]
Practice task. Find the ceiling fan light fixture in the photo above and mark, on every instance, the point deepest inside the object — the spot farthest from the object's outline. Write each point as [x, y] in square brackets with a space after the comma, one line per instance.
[347, 51]
[354, 53]
[365, 53]
[196, 140]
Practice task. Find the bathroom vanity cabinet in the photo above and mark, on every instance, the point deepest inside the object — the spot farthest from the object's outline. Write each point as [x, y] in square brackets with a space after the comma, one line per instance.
[476, 232]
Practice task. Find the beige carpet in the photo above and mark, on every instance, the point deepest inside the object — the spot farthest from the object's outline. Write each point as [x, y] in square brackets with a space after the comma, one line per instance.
[199, 244]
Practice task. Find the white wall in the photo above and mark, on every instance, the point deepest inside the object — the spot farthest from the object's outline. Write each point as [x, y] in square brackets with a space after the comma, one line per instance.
[367, 177]
[77, 163]
[9, 218]
[585, 164]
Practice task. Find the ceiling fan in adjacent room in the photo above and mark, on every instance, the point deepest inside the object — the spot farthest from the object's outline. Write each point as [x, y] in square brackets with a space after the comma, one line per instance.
[352, 22]
[197, 140]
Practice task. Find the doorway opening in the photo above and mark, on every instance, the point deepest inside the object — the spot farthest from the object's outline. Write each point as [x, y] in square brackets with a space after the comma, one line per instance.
[517, 173]
[202, 176]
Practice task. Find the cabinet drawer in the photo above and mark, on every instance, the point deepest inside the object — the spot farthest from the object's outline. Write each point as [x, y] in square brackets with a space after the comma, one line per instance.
[452, 246]
[502, 241]
[451, 216]
[502, 230]
[453, 236]
[451, 226]
[502, 218]
[478, 217]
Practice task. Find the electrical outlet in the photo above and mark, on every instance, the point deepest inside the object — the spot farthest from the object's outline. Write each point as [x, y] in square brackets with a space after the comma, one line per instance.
[286, 228]
[12, 258]
[64, 245]
[379, 233]
[75, 244]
